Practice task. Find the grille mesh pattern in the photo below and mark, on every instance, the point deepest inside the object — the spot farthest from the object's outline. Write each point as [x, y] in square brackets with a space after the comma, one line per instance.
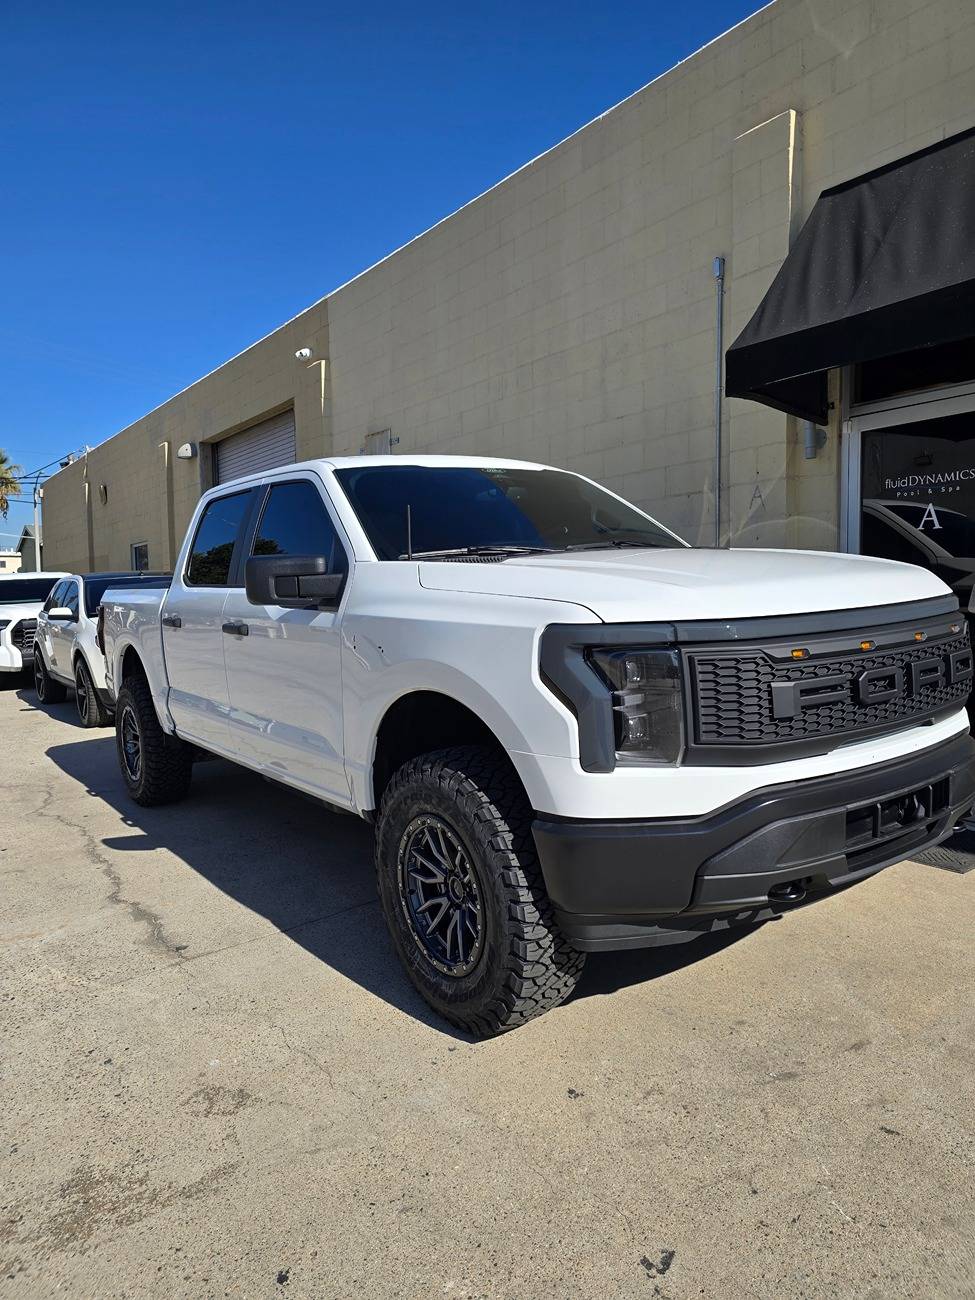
[734, 699]
[23, 635]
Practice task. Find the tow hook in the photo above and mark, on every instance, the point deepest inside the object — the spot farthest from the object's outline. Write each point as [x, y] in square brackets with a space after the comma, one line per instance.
[792, 891]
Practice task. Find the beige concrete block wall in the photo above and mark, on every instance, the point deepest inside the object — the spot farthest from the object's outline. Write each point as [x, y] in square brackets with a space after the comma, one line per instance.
[567, 315]
[133, 465]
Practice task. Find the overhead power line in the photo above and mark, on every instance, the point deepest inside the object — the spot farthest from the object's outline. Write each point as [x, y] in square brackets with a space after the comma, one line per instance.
[30, 475]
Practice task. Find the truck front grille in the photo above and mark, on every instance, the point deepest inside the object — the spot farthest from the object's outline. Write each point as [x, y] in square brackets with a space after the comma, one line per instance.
[757, 697]
[22, 636]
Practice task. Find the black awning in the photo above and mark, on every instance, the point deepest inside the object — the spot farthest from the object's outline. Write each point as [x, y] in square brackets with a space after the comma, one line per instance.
[884, 264]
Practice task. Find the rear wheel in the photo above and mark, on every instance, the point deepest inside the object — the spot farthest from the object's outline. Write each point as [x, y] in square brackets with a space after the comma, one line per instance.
[463, 895]
[156, 768]
[48, 690]
[91, 710]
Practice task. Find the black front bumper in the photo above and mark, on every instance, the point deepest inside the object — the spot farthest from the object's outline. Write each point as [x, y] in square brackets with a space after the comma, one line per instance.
[627, 884]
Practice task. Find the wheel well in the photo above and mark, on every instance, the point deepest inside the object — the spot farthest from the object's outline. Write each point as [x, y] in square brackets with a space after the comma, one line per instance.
[131, 665]
[419, 723]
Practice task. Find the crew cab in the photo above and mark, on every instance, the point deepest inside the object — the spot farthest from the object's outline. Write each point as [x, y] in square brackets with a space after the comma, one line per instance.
[573, 731]
[67, 652]
[21, 598]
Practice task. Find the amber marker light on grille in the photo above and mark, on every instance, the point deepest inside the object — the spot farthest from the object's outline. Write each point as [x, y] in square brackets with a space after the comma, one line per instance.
[800, 654]
[920, 636]
[867, 645]
[956, 627]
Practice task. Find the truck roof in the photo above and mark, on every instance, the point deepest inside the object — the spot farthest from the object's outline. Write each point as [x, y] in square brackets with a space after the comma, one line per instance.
[430, 462]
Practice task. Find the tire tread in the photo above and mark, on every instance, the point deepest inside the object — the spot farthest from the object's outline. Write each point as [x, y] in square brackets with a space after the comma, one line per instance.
[167, 762]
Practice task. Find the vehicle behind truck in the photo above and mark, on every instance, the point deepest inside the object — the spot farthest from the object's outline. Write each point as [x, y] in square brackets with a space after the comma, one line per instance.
[21, 597]
[572, 731]
[67, 651]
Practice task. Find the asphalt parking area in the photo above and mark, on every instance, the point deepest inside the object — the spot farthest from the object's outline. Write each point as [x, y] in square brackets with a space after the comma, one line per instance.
[216, 1082]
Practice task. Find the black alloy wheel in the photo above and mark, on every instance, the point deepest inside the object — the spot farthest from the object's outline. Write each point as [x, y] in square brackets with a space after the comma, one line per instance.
[130, 744]
[81, 698]
[40, 685]
[440, 895]
[48, 690]
[91, 710]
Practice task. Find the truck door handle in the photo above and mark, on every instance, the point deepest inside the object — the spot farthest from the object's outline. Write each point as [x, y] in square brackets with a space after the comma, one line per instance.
[236, 629]
[171, 620]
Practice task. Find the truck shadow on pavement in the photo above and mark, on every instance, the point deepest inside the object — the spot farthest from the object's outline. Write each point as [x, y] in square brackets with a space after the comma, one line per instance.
[66, 711]
[308, 871]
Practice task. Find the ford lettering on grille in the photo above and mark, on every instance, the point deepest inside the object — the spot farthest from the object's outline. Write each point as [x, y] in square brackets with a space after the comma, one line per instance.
[872, 686]
[754, 696]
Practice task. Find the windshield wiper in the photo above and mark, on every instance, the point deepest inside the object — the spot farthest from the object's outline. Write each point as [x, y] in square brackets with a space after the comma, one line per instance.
[493, 548]
[610, 543]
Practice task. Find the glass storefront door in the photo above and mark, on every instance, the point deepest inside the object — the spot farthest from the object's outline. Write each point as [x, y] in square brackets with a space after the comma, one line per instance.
[917, 495]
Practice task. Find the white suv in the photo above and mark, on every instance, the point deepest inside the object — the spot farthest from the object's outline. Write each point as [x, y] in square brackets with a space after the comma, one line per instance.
[66, 649]
[21, 597]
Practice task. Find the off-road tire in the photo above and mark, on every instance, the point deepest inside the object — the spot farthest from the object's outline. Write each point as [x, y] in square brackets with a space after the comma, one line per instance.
[526, 967]
[47, 689]
[166, 764]
[91, 710]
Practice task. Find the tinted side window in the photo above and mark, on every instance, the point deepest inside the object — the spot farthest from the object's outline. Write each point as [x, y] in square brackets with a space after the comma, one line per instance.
[213, 546]
[71, 598]
[296, 522]
[57, 591]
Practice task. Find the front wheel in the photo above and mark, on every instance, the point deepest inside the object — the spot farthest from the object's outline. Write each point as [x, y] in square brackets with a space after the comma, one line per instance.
[156, 768]
[463, 895]
[48, 690]
[91, 710]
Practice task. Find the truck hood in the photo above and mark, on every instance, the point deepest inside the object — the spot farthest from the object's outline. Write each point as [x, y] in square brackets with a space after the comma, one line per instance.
[631, 586]
[19, 609]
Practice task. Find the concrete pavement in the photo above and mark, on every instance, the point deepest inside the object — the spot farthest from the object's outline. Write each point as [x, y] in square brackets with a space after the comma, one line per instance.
[216, 1082]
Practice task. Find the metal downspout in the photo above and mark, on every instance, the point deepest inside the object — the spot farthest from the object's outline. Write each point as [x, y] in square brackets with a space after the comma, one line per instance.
[718, 268]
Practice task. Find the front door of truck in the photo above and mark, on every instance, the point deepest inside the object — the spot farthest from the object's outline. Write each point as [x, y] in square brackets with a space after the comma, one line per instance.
[284, 665]
[62, 631]
[45, 627]
[192, 623]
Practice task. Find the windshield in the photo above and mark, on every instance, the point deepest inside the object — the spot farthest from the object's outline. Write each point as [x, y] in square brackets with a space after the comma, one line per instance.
[470, 507]
[24, 591]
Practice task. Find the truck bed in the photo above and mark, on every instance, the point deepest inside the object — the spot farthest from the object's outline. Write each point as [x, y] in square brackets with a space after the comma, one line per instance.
[135, 613]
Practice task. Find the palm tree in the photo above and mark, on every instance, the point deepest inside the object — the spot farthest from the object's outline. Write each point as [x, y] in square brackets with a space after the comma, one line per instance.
[9, 487]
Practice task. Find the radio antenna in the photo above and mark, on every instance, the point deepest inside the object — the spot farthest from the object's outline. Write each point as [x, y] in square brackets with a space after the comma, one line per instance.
[409, 533]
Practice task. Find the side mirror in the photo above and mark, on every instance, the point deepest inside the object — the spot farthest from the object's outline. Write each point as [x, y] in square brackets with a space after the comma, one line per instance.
[294, 581]
[61, 614]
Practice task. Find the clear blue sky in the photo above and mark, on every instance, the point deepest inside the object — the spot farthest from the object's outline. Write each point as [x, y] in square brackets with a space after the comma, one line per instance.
[180, 179]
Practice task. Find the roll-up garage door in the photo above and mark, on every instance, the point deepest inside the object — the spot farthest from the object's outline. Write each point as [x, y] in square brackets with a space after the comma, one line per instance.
[263, 446]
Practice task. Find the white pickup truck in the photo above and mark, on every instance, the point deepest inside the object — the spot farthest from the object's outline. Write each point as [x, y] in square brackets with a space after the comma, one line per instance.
[573, 731]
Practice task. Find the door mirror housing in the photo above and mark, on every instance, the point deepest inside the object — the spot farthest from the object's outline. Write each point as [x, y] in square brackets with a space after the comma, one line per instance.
[61, 614]
[293, 581]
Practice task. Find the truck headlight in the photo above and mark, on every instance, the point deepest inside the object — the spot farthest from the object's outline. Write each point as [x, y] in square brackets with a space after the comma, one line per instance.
[647, 701]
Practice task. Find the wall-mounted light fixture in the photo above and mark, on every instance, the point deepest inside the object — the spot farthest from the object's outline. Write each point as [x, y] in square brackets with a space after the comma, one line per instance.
[103, 493]
[813, 440]
[186, 452]
[304, 354]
